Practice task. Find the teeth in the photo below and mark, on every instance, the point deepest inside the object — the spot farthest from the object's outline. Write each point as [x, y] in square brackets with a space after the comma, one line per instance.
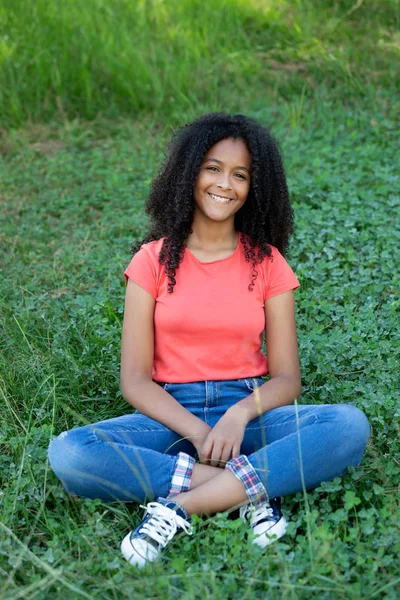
[220, 199]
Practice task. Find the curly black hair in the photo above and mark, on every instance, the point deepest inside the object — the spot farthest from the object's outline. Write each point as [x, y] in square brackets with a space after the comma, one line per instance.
[265, 219]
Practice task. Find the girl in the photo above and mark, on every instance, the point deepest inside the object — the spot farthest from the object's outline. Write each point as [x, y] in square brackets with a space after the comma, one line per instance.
[205, 283]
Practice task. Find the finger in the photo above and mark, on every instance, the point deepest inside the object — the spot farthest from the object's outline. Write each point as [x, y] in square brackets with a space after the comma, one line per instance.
[225, 456]
[205, 452]
[236, 451]
[216, 455]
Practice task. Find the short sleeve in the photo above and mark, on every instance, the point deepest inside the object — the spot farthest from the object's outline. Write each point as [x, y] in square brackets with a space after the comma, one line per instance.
[143, 271]
[280, 277]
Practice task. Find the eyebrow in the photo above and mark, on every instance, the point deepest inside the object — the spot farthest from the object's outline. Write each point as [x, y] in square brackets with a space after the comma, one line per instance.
[221, 163]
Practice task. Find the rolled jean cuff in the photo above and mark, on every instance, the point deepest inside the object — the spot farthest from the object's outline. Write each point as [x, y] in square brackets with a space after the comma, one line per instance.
[182, 475]
[243, 470]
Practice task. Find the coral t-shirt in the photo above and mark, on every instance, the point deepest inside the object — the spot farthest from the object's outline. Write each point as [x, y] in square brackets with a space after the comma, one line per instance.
[210, 328]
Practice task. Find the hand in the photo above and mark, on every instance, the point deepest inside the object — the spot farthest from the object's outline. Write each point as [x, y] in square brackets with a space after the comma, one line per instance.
[224, 440]
[199, 437]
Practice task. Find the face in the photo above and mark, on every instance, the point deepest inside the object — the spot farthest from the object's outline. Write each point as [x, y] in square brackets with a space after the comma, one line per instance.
[223, 182]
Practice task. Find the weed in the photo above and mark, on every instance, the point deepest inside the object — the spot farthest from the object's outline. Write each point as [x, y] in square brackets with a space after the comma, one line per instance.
[322, 75]
[68, 220]
[81, 59]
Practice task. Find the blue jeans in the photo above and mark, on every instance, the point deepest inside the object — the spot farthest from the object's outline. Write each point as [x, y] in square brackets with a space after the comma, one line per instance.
[133, 457]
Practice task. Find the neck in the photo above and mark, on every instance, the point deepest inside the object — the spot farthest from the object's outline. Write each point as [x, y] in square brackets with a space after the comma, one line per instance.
[212, 235]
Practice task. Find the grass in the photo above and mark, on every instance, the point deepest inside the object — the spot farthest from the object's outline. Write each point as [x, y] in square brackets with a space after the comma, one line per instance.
[80, 58]
[72, 206]
[72, 192]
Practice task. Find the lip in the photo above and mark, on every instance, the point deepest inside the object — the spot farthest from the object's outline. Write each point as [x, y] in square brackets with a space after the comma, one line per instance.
[224, 199]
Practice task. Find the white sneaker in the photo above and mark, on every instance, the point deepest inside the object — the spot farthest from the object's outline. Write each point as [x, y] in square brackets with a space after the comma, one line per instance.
[161, 522]
[267, 521]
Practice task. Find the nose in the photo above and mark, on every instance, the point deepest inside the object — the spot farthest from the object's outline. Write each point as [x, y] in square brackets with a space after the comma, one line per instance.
[224, 183]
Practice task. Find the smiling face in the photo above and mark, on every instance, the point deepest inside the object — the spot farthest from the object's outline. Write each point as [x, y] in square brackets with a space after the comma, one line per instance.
[223, 182]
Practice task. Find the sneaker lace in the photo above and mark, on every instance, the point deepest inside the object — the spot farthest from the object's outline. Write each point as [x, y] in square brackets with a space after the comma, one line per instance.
[163, 523]
[255, 515]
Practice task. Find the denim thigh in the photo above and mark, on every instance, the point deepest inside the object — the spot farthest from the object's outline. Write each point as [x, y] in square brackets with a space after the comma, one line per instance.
[141, 431]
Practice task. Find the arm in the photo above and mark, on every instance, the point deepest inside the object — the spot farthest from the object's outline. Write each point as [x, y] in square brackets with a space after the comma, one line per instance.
[137, 355]
[283, 360]
[225, 439]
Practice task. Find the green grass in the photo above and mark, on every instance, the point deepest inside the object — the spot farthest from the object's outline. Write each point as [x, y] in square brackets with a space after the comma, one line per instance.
[323, 76]
[72, 204]
[79, 58]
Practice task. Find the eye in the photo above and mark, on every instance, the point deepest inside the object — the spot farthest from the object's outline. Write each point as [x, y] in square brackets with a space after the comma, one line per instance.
[212, 168]
[241, 176]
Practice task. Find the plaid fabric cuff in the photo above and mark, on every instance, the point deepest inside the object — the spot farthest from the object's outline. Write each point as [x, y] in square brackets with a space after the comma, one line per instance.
[182, 475]
[242, 469]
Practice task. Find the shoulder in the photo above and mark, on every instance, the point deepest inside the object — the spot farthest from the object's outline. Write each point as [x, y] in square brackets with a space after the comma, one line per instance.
[277, 275]
[151, 249]
[149, 254]
[269, 259]
[275, 256]
[145, 269]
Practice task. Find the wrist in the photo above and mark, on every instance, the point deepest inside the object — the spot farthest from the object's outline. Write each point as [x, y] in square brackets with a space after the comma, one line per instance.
[198, 435]
[240, 413]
